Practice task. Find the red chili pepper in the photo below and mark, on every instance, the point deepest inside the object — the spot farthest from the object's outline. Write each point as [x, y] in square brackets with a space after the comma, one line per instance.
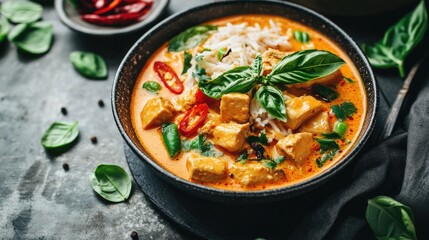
[168, 77]
[193, 120]
[200, 97]
[109, 7]
[112, 20]
[131, 8]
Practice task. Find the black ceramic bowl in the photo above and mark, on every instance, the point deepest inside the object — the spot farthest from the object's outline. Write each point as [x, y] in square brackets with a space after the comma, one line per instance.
[136, 58]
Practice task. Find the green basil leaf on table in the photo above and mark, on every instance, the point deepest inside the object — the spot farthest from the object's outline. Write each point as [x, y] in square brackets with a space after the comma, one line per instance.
[390, 219]
[271, 99]
[34, 38]
[304, 66]
[399, 40]
[171, 137]
[111, 182]
[301, 36]
[4, 28]
[152, 86]
[344, 110]
[18, 11]
[326, 93]
[187, 57]
[59, 134]
[89, 64]
[190, 38]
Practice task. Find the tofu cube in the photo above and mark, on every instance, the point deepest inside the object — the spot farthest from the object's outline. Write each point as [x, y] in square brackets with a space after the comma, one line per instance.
[270, 58]
[188, 99]
[206, 169]
[157, 111]
[326, 80]
[235, 107]
[317, 124]
[253, 173]
[300, 109]
[213, 119]
[296, 146]
[231, 136]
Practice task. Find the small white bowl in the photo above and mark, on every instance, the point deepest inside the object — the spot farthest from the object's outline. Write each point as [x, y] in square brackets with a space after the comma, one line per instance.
[71, 18]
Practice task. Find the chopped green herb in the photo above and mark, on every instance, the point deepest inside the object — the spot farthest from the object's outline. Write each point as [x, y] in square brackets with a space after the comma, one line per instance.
[301, 36]
[326, 93]
[325, 157]
[200, 74]
[329, 148]
[200, 144]
[349, 80]
[187, 57]
[332, 135]
[243, 157]
[262, 138]
[344, 110]
[152, 86]
[273, 163]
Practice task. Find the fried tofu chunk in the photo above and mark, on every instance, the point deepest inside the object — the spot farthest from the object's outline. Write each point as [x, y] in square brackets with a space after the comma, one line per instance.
[253, 173]
[213, 119]
[270, 58]
[300, 109]
[187, 100]
[317, 124]
[296, 146]
[231, 136]
[157, 111]
[235, 107]
[206, 169]
[326, 80]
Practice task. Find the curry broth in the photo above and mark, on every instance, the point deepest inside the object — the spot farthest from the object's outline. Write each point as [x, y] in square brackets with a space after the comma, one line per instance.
[152, 141]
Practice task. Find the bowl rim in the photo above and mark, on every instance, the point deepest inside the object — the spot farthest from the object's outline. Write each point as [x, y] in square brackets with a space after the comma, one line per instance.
[274, 193]
[152, 15]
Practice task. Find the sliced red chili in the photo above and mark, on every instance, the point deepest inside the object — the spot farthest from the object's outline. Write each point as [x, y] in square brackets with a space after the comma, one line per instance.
[168, 77]
[112, 20]
[200, 97]
[108, 8]
[193, 120]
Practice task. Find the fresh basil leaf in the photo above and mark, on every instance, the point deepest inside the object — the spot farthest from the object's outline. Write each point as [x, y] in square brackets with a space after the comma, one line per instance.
[89, 64]
[399, 40]
[304, 66]
[301, 36]
[271, 99]
[190, 38]
[201, 145]
[59, 134]
[4, 28]
[111, 182]
[344, 110]
[262, 138]
[34, 38]
[187, 57]
[390, 219]
[327, 145]
[326, 157]
[326, 93]
[152, 86]
[257, 65]
[200, 74]
[349, 80]
[272, 164]
[21, 11]
[332, 135]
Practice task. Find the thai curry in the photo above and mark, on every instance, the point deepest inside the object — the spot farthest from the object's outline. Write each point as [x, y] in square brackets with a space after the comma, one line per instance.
[247, 103]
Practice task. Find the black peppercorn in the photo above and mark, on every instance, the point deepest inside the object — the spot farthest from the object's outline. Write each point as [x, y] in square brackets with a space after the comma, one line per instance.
[101, 103]
[64, 111]
[94, 139]
[65, 167]
[134, 235]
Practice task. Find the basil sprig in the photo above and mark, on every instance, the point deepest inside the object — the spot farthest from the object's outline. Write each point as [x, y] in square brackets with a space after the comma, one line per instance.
[295, 68]
[190, 38]
[399, 40]
[111, 182]
[390, 219]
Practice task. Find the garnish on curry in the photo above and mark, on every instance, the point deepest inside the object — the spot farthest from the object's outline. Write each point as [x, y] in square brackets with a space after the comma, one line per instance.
[248, 103]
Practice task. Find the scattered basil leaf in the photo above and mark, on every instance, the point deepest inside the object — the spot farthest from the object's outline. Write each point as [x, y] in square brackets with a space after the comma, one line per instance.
[326, 93]
[262, 138]
[111, 182]
[59, 134]
[271, 99]
[301, 36]
[257, 65]
[390, 219]
[200, 74]
[89, 64]
[332, 135]
[187, 57]
[21, 11]
[272, 164]
[4, 28]
[304, 66]
[328, 148]
[190, 38]
[152, 86]
[349, 80]
[171, 137]
[243, 157]
[326, 157]
[344, 110]
[201, 145]
[34, 38]
[399, 40]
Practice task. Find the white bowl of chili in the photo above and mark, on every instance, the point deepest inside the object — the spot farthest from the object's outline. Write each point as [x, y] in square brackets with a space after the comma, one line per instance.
[109, 17]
